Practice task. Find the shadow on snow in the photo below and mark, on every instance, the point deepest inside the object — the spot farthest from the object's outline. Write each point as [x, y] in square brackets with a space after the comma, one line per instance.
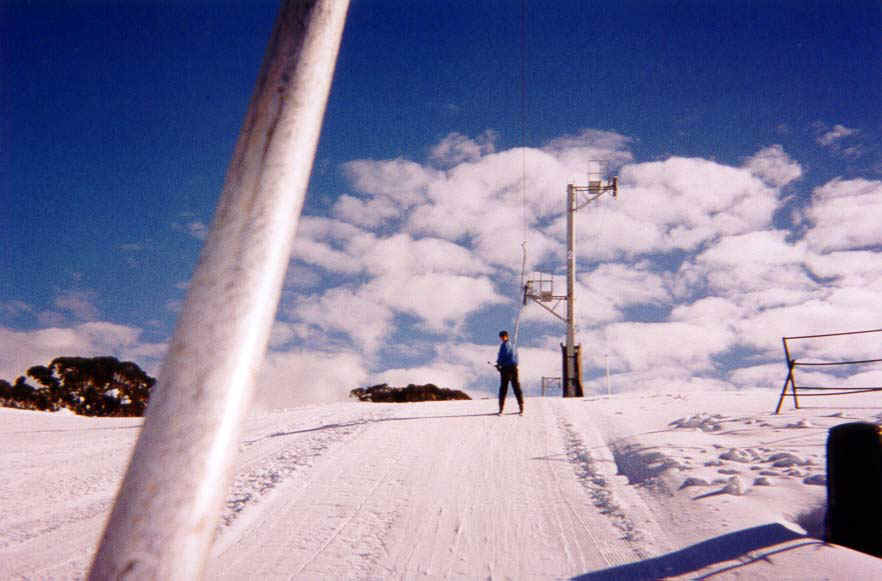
[701, 555]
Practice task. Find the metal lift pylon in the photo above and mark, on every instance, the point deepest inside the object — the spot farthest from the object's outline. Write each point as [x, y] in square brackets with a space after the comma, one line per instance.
[542, 292]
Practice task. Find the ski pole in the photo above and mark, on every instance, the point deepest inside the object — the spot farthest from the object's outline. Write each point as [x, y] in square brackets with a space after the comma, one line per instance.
[164, 518]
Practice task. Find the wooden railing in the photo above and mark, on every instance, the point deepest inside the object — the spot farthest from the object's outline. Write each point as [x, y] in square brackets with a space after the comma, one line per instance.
[815, 390]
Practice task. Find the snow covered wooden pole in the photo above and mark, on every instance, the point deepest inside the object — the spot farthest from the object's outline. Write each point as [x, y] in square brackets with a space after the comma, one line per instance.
[165, 515]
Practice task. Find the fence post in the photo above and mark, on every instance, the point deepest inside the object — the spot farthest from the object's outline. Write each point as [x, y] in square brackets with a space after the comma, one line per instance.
[790, 379]
[854, 487]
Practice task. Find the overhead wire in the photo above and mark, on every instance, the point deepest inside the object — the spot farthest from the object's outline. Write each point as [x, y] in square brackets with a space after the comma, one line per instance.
[523, 120]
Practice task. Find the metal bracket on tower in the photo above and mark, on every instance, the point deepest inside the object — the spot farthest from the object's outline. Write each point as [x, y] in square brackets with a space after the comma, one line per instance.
[594, 189]
[541, 291]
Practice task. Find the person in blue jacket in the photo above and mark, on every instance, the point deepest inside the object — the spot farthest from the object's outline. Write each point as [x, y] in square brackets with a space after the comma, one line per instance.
[507, 364]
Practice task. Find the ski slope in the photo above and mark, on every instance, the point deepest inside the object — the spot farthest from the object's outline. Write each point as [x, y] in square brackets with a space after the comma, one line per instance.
[441, 490]
[593, 487]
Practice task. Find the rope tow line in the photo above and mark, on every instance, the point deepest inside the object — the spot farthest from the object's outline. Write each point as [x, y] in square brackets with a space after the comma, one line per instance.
[517, 326]
[523, 87]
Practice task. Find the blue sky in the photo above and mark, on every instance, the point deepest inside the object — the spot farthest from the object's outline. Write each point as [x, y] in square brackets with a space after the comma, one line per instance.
[746, 136]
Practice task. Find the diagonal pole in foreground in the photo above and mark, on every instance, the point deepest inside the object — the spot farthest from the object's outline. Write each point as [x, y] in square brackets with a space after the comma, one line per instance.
[163, 522]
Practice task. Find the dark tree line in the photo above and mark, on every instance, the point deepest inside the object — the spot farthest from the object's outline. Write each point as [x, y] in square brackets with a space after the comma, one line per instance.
[411, 393]
[96, 386]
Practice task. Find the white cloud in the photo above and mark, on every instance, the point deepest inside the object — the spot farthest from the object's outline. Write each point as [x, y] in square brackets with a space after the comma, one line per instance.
[763, 290]
[578, 152]
[433, 279]
[602, 292]
[534, 363]
[857, 347]
[658, 380]
[457, 148]
[418, 261]
[357, 312]
[369, 213]
[766, 246]
[20, 350]
[329, 244]
[51, 319]
[78, 303]
[647, 346]
[835, 135]
[625, 284]
[283, 333]
[483, 200]
[845, 214]
[756, 270]
[400, 180]
[763, 375]
[440, 373]
[473, 199]
[774, 166]
[868, 378]
[15, 308]
[855, 268]
[402, 255]
[832, 310]
[455, 364]
[300, 376]
[697, 191]
[345, 249]
[677, 204]
[441, 301]
[437, 281]
[690, 242]
[708, 312]
[69, 305]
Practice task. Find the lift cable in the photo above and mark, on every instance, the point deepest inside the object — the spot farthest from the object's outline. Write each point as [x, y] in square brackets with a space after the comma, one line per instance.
[523, 95]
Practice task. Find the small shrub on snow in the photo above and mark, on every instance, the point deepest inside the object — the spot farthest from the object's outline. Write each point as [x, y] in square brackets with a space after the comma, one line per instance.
[411, 393]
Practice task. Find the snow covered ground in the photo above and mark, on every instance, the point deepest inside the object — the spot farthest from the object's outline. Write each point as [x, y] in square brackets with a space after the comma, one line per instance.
[685, 484]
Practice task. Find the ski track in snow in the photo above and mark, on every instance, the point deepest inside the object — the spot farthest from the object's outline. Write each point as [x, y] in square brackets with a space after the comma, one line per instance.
[276, 455]
[450, 490]
[59, 477]
[399, 501]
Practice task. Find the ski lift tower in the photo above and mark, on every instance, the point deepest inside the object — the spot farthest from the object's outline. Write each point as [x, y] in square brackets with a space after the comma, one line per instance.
[541, 289]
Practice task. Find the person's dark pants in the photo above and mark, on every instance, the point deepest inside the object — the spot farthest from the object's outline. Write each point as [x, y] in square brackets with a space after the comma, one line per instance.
[509, 373]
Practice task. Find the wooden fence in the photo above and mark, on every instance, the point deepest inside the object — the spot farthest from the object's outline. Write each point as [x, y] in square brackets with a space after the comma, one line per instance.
[815, 390]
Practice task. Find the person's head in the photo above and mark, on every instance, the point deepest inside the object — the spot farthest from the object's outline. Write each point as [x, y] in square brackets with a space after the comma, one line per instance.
[503, 335]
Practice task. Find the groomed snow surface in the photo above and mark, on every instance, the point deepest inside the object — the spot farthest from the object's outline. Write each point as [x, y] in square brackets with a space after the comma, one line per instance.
[687, 484]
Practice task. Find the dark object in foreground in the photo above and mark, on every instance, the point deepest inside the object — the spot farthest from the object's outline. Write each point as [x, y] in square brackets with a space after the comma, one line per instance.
[428, 392]
[854, 487]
